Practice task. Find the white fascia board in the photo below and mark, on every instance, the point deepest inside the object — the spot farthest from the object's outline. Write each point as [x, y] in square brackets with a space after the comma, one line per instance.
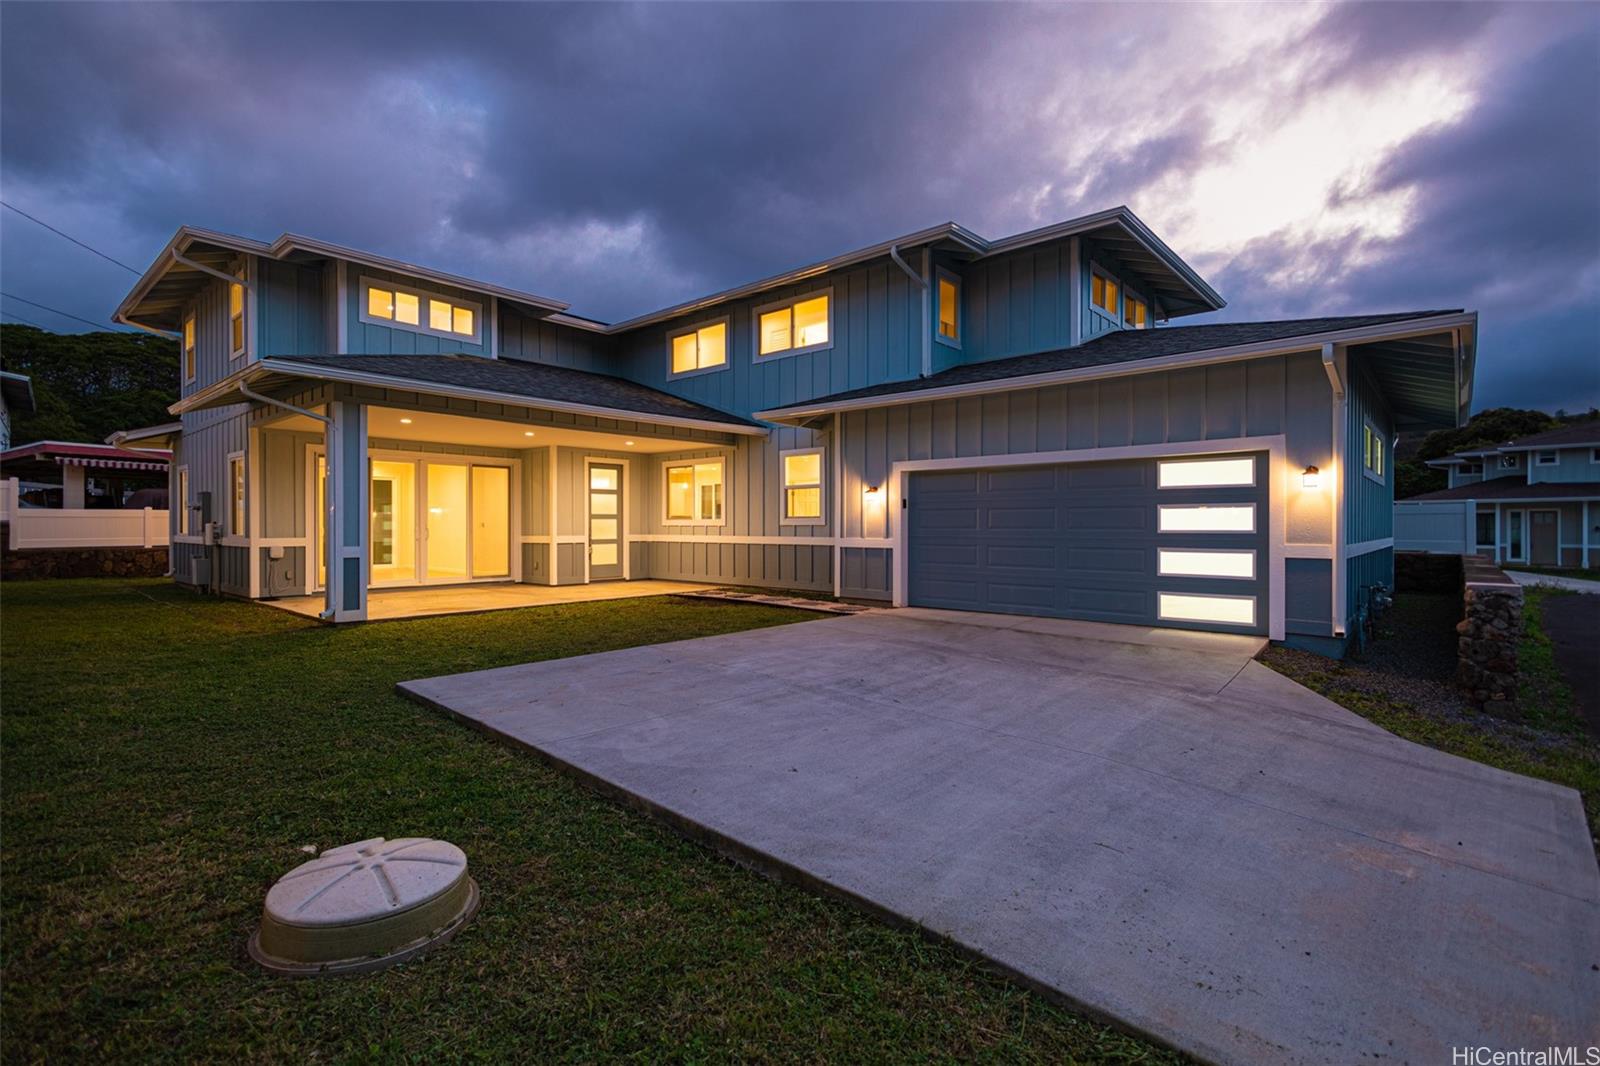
[290, 243]
[1305, 342]
[460, 392]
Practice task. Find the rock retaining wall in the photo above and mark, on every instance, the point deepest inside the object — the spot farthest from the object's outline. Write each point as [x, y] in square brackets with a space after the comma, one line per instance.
[1486, 656]
[32, 563]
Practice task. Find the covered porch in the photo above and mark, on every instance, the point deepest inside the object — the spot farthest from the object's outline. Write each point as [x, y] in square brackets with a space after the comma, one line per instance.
[386, 604]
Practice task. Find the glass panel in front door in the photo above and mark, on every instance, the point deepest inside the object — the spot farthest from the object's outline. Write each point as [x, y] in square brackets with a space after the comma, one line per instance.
[393, 523]
[491, 521]
[447, 522]
[605, 522]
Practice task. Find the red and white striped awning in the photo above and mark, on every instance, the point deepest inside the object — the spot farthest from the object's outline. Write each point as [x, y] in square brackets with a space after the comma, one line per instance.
[108, 464]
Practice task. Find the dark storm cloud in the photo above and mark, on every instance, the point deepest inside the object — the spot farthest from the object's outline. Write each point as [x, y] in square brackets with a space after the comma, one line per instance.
[626, 157]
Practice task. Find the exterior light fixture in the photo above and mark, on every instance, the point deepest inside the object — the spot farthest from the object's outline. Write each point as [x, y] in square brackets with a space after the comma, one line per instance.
[527, 433]
[405, 421]
[871, 490]
[629, 443]
[1312, 478]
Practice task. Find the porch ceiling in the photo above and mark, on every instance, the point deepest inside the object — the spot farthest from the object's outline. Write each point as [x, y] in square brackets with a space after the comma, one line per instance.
[1426, 380]
[426, 427]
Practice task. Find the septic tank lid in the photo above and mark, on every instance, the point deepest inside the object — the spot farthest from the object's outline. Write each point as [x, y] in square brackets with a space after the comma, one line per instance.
[364, 906]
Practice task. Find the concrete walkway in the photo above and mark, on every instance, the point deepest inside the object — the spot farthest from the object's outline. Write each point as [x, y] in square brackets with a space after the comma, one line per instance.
[1145, 824]
[1572, 584]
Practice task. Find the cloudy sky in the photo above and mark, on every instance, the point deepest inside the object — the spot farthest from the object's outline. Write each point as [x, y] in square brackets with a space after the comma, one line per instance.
[1306, 159]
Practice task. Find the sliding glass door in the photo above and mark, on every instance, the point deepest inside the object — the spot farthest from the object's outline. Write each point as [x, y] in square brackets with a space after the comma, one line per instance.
[447, 522]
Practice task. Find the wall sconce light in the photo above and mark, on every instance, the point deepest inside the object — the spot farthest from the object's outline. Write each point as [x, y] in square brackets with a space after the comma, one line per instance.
[871, 490]
[405, 421]
[1312, 478]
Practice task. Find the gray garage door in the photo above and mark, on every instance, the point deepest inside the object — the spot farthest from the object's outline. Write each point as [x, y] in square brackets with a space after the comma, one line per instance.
[1171, 542]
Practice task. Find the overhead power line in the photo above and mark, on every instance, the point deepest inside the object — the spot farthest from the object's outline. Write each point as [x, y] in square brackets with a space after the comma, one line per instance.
[24, 321]
[55, 310]
[69, 237]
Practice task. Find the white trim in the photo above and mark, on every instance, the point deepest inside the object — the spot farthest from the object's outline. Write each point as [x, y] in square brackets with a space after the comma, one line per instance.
[789, 301]
[1114, 316]
[1522, 527]
[552, 499]
[1367, 547]
[723, 460]
[241, 278]
[1554, 453]
[185, 487]
[366, 282]
[252, 505]
[244, 494]
[727, 348]
[1306, 342]
[1278, 489]
[624, 512]
[941, 275]
[875, 543]
[188, 538]
[784, 518]
[1308, 551]
[1381, 475]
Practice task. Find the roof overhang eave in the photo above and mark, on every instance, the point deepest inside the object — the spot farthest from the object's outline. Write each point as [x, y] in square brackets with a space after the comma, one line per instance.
[1415, 327]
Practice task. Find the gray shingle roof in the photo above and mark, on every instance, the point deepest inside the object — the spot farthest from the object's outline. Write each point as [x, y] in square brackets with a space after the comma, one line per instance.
[535, 381]
[1574, 435]
[1124, 346]
[1514, 488]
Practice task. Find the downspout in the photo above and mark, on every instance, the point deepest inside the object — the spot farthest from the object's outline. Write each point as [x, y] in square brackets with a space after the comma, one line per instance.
[1341, 403]
[245, 390]
[922, 282]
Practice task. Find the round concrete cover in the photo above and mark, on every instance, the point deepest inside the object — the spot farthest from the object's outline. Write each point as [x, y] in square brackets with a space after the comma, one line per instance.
[365, 905]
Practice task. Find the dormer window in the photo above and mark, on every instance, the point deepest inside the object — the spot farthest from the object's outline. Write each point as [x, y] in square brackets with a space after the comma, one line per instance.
[1103, 293]
[188, 347]
[949, 309]
[236, 315]
[386, 303]
[793, 326]
[1546, 458]
[1135, 312]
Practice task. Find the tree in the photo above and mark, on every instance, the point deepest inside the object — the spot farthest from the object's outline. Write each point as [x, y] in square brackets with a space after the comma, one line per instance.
[1412, 476]
[87, 386]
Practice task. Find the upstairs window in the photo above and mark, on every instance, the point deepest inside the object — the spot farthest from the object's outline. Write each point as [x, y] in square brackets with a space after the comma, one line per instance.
[949, 309]
[236, 316]
[385, 303]
[1372, 457]
[694, 493]
[1103, 293]
[1546, 458]
[188, 347]
[1135, 312]
[802, 486]
[1471, 469]
[1510, 461]
[700, 348]
[795, 326]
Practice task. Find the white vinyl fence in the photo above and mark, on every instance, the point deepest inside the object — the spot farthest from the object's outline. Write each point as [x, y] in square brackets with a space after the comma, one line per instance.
[46, 527]
[1443, 527]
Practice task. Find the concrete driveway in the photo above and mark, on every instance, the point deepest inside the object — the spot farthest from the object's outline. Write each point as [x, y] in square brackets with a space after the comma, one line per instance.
[1146, 824]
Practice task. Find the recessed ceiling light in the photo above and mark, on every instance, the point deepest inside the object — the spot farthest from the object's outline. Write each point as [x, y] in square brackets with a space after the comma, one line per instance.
[629, 443]
[527, 433]
[405, 421]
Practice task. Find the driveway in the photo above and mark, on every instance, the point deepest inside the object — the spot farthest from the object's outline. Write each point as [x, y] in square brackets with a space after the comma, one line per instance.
[1573, 623]
[1555, 581]
[1146, 824]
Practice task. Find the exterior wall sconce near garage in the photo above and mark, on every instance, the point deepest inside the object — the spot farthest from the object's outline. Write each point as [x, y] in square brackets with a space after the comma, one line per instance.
[1312, 478]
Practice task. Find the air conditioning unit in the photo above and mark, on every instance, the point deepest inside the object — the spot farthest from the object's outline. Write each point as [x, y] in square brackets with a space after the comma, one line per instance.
[281, 577]
[200, 571]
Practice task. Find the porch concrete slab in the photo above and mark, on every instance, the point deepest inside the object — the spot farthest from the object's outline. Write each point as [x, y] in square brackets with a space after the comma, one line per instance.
[1172, 837]
[387, 604]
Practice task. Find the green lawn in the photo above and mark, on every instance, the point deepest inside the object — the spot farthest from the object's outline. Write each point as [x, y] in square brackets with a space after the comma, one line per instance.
[166, 757]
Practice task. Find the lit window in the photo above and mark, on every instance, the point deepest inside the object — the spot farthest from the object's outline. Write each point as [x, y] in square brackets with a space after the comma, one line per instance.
[1372, 452]
[694, 492]
[1178, 562]
[1104, 292]
[1135, 312]
[800, 326]
[802, 486]
[700, 348]
[1205, 473]
[188, 348]
[949, 309]
[183, 500]
[236, 495]
[1227, 610]
[387, 304]
[1546, 459]
[1207, 518]
[236, 316]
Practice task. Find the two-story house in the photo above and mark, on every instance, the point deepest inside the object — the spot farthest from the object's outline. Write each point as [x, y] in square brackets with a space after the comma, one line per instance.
[940, 419]
[1534, 500]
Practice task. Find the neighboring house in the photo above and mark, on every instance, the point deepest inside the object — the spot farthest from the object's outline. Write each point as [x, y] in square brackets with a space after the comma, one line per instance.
[71, 475]
[939, 419]
[16, 394]
[1533, 500]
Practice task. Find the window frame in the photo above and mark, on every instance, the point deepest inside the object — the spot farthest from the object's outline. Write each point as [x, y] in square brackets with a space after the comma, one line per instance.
[786, 519]
[182, 474]
[1594, 455]
[941, 275]
[1195, 460]
[666, 503]
[1553, 453]
[727, 351]
[236, 505]
[1115, 316]
[1142, 302]
[366, 282]
[1477, 530]
[789, 302]
[191, 347]
[1163, 508]
[1471, 470]
[1380, 474]
[236, 351]
[1510, 461]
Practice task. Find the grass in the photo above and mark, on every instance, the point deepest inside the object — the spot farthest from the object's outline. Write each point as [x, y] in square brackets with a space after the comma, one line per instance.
[1585, 573]
[1549, 742]
[166, 757]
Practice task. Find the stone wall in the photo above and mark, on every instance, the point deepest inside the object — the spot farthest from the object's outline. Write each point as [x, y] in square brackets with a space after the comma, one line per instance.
[1486, 656]
[1427, 572]
[32, 563]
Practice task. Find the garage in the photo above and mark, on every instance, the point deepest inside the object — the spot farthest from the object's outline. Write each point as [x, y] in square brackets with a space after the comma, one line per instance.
[1179, 541]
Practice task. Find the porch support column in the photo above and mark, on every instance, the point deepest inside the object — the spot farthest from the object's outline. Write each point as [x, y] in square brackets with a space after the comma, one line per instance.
[74, 483]
[348, 512]
[1585, 540]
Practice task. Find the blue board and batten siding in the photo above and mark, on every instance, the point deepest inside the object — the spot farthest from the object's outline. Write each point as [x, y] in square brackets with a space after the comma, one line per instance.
[1368, 499]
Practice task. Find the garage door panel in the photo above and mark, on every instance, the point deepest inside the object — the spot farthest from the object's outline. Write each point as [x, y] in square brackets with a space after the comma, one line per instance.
[1085, 541]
